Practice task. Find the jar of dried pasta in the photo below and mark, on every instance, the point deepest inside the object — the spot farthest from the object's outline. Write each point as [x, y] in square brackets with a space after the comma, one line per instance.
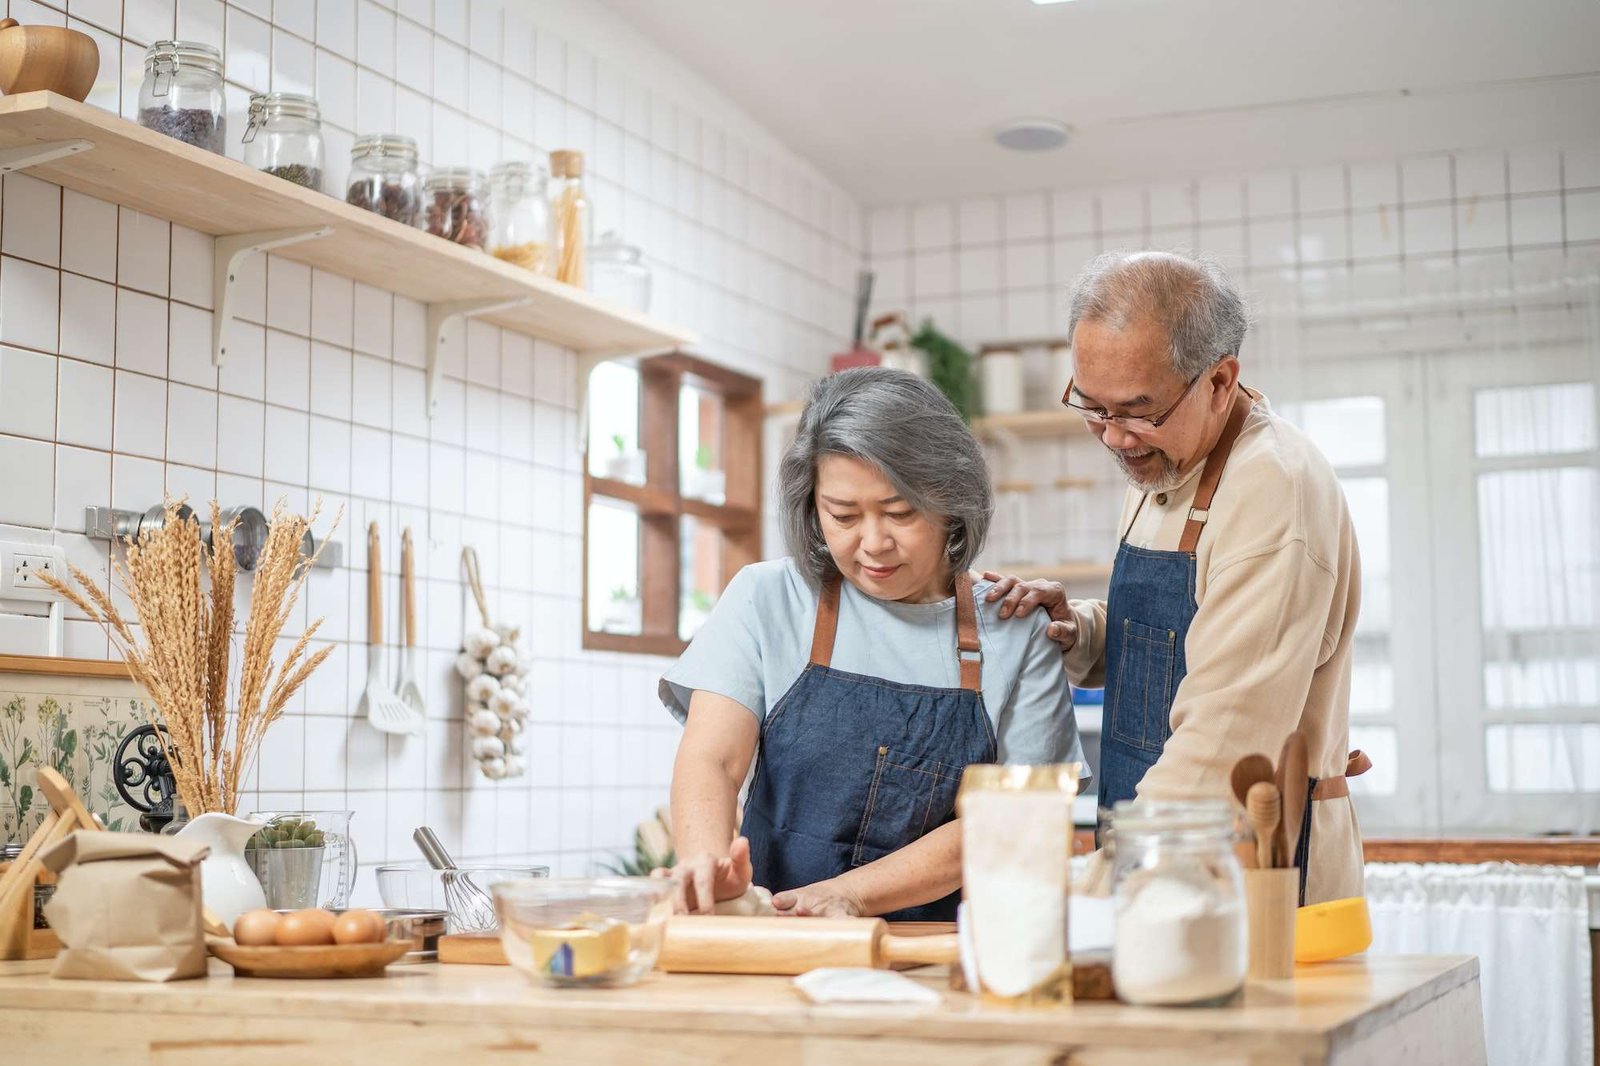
[519, 215]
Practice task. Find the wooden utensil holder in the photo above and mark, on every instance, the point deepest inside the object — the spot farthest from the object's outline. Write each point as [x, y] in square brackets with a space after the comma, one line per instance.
[18, 937]
[1271, 897]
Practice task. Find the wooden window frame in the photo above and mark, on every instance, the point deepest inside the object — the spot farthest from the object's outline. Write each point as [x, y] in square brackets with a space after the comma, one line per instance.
[660, 501]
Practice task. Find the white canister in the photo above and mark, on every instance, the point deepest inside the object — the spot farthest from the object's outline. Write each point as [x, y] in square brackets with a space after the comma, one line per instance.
[1000, 371]
[1061, 368]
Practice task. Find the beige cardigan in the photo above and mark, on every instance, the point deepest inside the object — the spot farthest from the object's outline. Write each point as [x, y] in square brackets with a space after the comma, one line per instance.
[1278, 588]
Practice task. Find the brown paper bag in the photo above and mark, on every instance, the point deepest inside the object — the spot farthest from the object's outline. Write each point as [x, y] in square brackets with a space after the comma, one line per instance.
[127, 907]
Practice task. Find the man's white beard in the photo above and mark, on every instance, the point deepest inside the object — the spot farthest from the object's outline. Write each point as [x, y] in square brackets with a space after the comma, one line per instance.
[1165, 479]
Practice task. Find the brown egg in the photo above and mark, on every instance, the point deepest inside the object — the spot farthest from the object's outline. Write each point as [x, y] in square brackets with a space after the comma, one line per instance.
[359, 927]
[308, 928]
[255, 928]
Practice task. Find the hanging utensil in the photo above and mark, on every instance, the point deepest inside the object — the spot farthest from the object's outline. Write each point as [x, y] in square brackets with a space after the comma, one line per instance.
[410, 691]
[470, 906]
[378, 702]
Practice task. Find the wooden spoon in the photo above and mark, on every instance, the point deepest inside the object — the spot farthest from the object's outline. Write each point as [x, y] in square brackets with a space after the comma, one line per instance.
[1246, 772]
[1293, 781]
[1263, 805]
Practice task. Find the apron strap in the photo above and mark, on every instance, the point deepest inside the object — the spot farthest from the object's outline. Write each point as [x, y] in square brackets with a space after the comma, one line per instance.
[1327, 788]
[969, 652]
[827, 621]
[1200, 511]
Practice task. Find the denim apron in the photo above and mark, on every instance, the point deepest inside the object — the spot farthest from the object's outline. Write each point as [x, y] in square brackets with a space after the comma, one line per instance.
[851, 767]
[1148, 613]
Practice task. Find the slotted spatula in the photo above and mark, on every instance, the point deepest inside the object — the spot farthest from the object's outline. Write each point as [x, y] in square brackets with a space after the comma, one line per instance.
[410, 691]
[382, 707]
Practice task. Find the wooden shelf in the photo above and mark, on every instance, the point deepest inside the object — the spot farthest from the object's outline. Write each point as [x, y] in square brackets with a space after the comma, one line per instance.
[1032, 425]
[164, 177]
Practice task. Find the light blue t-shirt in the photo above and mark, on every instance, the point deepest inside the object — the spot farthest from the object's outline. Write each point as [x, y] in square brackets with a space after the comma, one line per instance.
[758, 640]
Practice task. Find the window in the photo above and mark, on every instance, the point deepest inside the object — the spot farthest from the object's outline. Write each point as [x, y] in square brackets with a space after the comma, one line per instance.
[672, 498]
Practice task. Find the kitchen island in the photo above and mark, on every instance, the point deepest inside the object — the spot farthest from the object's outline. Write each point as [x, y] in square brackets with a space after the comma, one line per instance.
[1366, 1010]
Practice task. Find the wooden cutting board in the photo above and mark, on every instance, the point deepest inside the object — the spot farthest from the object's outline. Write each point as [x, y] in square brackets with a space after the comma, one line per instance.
[477, 949]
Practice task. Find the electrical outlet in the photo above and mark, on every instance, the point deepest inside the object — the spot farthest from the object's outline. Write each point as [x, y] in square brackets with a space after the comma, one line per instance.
[22, 570]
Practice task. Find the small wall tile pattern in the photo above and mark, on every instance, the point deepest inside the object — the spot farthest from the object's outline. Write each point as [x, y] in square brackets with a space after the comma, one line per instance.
[108, 395]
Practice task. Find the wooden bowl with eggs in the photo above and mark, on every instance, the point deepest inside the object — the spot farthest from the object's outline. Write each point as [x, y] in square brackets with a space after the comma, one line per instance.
[309, 943]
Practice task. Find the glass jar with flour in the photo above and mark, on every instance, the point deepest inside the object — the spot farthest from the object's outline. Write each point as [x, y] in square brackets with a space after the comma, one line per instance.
[1180, 913]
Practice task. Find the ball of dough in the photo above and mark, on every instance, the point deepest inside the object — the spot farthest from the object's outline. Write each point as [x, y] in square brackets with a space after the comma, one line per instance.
[755, 903]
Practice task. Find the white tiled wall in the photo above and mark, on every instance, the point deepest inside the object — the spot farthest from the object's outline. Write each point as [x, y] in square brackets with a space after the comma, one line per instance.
[108, 395]
[999, 268]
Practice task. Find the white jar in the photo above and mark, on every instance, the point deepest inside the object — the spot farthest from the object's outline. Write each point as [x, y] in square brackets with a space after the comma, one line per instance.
[1000, 372]
[1061, 368]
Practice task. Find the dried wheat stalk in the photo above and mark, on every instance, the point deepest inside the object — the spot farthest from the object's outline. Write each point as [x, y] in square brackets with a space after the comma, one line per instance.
[180, 645]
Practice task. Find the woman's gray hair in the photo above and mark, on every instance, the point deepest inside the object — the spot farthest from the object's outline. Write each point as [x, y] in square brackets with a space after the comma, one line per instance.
[903, 426]
[1191, 297]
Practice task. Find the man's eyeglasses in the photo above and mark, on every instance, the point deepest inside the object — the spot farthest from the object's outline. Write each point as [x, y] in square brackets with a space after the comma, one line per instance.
[1099, 416]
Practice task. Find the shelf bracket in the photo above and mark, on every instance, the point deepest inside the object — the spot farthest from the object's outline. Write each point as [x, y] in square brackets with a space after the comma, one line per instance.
[230, 253]
[440, 315]
[31, 155]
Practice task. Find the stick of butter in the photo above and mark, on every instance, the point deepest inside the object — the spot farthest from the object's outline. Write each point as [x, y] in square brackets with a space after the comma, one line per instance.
[588, 947]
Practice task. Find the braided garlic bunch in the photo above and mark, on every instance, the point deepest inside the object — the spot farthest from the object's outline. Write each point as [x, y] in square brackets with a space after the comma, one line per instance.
[496, 676]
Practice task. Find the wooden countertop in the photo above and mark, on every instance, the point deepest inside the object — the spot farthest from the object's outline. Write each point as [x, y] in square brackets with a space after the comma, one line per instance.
[418, 1013]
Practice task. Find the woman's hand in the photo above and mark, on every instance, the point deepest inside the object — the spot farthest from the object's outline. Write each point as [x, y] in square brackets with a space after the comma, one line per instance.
[1021, 597]
[702, 880]
[823, 899]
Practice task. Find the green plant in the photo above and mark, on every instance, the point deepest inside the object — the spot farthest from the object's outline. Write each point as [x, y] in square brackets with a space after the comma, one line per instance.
[702, 457]
[949, 368]
[288, 833]
[622, 594]
[701, 600]
[642, 861]
[621, 443]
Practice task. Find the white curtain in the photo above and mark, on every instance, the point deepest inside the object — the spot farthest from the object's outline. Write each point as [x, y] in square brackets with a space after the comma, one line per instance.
[1529, 928]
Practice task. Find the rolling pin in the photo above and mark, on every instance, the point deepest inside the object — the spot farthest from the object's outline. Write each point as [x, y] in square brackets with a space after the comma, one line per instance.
[787, 946]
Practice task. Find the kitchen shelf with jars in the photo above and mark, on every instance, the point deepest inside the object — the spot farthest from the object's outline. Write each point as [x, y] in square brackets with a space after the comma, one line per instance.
[463, 263]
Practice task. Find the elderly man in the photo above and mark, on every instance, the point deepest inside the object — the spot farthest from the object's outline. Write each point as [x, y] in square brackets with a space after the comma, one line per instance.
[1232, 609]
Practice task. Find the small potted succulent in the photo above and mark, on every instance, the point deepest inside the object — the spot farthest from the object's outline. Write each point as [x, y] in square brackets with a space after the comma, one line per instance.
[286, 855]
[628, 464]
[624, 613]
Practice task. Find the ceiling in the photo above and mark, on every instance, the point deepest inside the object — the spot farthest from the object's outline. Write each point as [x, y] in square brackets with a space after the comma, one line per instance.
[896, 100]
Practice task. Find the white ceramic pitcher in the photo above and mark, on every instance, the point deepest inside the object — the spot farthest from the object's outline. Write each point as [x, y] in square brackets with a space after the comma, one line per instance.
[229, 885]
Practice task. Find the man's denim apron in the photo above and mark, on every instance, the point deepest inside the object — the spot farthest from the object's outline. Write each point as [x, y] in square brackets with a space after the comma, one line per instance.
[851, 767]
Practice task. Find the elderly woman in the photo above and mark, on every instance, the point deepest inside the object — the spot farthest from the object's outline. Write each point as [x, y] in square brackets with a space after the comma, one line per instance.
[861, 674]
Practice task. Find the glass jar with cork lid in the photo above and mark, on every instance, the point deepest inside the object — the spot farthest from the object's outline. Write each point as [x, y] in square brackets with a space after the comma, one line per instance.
[284, 138]
[182, 93]
[573, 229]
[384, 178]
[519, 216]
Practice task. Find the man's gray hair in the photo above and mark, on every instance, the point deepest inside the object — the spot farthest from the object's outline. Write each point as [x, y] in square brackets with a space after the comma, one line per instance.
[1191, 297]
[906, 428]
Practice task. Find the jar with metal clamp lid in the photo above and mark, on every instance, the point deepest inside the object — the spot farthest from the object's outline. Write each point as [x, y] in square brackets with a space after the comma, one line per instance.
[453, 207]
[284, 138]
[182, 93]
[519, 216]
[384, 178]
